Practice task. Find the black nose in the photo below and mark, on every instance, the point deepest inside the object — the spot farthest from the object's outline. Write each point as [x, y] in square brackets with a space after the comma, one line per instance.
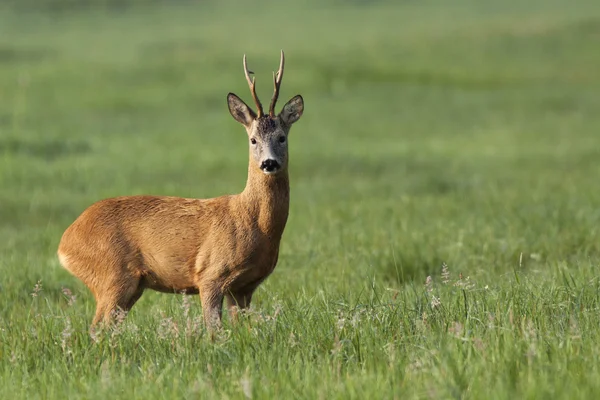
[269, 165]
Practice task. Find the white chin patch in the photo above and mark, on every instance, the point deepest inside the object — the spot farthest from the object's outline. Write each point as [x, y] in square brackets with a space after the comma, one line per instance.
[270, 172]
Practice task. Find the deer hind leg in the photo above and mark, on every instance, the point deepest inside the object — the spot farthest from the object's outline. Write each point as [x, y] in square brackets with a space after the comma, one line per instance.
[99, 316]
[119, 296]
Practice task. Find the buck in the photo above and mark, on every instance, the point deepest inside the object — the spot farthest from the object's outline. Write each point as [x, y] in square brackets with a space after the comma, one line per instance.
[223, 247]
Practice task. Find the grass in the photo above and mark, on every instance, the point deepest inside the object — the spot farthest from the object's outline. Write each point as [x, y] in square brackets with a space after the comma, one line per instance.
[463, 133]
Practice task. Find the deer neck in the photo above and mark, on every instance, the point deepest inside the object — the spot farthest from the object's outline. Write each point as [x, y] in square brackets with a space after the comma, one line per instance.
[267, 200]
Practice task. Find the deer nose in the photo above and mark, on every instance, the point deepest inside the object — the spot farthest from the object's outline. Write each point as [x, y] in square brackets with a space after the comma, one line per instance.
[269, 165]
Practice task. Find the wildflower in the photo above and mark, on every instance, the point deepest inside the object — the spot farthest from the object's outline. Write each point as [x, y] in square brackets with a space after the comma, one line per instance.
[186, 305]
[118, 327]
[416, 366]
[424, 320]
[278, 309]
[95, 335]
[356, 318]
[69, 295]
[66, 335]
[120, 315]
[390, 350]
[192, 325]
[429, 284]
[435, 302]
[168, 328]
[464, 283]
[445, 274]
[37, 289]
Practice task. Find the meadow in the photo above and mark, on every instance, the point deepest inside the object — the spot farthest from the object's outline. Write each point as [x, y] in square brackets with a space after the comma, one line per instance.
[444, 231]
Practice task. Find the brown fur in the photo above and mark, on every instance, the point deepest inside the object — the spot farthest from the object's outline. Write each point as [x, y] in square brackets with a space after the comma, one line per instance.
[221, 247]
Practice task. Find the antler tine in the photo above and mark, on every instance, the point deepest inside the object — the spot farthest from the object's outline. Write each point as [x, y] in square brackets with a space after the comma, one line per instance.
[277, 77]
[247, 72]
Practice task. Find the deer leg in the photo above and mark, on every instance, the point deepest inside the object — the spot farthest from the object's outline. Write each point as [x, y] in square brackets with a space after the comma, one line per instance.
[121, 296]
[240, 299]
[212, 306]
[127, 304]
[100, 307]
[237, 301]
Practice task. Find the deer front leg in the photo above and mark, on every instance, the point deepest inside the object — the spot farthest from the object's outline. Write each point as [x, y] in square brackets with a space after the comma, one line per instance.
[212, 306]
[239, 300]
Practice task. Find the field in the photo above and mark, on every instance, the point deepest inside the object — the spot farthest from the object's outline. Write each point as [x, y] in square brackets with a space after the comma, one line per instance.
[452, 140]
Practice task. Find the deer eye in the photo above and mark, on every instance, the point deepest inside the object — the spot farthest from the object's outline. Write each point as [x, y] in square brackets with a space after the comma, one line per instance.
[253, 141]
[281, 139]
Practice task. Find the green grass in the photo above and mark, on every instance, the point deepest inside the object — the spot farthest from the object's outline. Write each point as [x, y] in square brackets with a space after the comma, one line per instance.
[464, 133]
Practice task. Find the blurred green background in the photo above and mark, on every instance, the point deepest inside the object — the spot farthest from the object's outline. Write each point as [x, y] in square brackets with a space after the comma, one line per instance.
[464, 132]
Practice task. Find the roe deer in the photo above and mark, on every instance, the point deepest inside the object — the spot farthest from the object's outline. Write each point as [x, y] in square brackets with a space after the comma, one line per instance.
[220, 247]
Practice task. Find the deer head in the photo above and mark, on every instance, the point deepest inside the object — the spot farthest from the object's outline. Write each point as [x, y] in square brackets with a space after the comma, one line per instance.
[267, 134]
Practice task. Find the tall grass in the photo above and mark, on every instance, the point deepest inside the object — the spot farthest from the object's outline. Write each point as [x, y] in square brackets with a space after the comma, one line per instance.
[443, 239]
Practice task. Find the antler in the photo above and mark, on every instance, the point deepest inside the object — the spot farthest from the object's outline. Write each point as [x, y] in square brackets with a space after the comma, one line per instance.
[277, 82]
[253, 88]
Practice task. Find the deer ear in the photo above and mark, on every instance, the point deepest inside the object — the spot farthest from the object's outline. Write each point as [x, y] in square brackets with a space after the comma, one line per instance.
[292, 111]
[239, 110]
